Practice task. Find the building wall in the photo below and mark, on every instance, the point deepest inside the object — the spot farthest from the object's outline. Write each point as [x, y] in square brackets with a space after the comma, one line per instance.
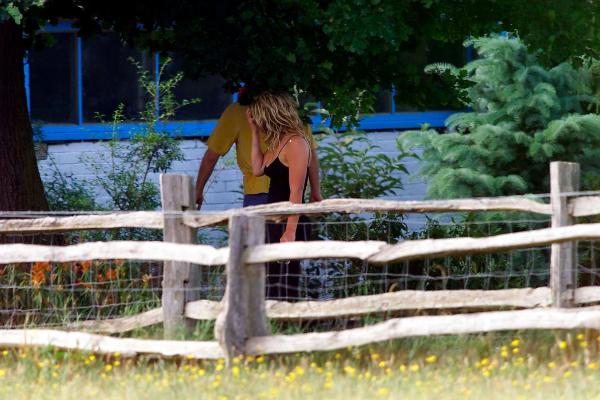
[224, 188]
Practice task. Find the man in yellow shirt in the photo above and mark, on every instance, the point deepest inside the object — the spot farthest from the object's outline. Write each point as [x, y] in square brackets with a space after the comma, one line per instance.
[232, 128]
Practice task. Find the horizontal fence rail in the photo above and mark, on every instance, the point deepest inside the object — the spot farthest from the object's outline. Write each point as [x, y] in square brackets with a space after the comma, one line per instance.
[127, 347]
[584, 206]
[126, 250]
[396, 328]
[374, 205]
[137, 219]
[326, 341]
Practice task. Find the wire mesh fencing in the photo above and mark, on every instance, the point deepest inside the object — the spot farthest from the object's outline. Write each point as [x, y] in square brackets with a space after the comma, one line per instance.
[326, 279]
[56, 294]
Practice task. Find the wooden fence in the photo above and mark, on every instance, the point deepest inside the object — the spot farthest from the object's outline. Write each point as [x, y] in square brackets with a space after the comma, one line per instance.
[242, 316]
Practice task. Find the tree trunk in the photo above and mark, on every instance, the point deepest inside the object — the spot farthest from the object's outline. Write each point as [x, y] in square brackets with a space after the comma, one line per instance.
[21, 187]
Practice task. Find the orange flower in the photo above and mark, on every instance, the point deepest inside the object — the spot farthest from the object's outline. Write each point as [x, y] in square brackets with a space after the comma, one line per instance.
[119, 263]
[43, 266]
[112, 274]
[38, 278]
[85, 266]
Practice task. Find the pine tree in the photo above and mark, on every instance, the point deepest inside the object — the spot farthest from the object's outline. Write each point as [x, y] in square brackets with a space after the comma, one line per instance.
[524, 116]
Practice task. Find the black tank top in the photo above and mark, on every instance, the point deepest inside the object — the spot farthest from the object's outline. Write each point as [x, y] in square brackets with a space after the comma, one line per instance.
[279, 186]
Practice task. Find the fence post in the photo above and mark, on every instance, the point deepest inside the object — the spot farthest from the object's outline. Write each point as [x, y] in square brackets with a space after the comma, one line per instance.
[564, 178]
[177, 195]
[243, 314]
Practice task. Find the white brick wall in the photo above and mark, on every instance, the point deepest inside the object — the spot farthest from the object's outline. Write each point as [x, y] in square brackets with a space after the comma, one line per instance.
[224, 188]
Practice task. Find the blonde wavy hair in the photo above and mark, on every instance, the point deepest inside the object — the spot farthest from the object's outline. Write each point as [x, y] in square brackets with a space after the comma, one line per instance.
[276, 113]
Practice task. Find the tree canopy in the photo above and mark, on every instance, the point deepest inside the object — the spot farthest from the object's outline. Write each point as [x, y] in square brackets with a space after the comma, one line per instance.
[331, 49]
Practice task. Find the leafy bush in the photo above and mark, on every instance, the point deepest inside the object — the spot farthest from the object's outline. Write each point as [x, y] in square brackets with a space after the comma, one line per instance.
[524, 116]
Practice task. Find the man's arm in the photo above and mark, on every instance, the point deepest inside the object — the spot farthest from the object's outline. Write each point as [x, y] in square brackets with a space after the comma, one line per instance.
[313, 177]
[206, 168]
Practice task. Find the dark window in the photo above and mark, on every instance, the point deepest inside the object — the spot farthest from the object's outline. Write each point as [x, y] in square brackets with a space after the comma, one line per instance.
[383, 102]
[431, 92]
[109, 77]
[214, 99]
[52, 80]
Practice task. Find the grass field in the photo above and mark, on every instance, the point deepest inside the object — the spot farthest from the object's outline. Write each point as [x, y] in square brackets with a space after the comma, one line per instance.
[532, 365]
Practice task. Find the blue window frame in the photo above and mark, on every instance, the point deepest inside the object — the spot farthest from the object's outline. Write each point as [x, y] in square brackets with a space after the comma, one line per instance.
[199, 128]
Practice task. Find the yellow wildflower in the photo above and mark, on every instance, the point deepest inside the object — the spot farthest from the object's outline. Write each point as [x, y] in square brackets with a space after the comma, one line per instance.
[562, 345]
[431, 359]
[515, 343]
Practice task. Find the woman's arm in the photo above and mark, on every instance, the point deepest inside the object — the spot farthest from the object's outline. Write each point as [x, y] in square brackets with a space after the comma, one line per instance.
[258, 168]
[295, 154]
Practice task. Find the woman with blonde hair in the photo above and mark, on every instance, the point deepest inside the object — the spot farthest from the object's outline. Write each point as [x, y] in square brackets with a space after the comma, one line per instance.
[285, 162]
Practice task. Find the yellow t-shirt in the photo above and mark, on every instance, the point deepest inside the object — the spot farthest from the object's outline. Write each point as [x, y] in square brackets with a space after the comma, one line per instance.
[232, 128]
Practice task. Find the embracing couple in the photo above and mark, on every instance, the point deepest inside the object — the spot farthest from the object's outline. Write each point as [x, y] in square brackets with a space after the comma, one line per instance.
[276, 154]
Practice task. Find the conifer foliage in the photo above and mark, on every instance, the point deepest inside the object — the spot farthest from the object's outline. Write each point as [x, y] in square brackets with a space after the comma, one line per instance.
[523, 117]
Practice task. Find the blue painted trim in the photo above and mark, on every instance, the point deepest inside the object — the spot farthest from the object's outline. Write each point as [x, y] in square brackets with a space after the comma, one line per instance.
[72, 132]
[27, 79]
[157, 84]
[191, 129]
[408, 120]
[63, 26]
[79, 69]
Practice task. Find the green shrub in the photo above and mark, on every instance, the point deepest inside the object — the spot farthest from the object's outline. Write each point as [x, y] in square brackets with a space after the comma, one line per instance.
[524, 116]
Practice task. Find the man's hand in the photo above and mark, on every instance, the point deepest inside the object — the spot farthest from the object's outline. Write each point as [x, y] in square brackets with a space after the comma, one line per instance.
[209, 160]
[199, 197]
